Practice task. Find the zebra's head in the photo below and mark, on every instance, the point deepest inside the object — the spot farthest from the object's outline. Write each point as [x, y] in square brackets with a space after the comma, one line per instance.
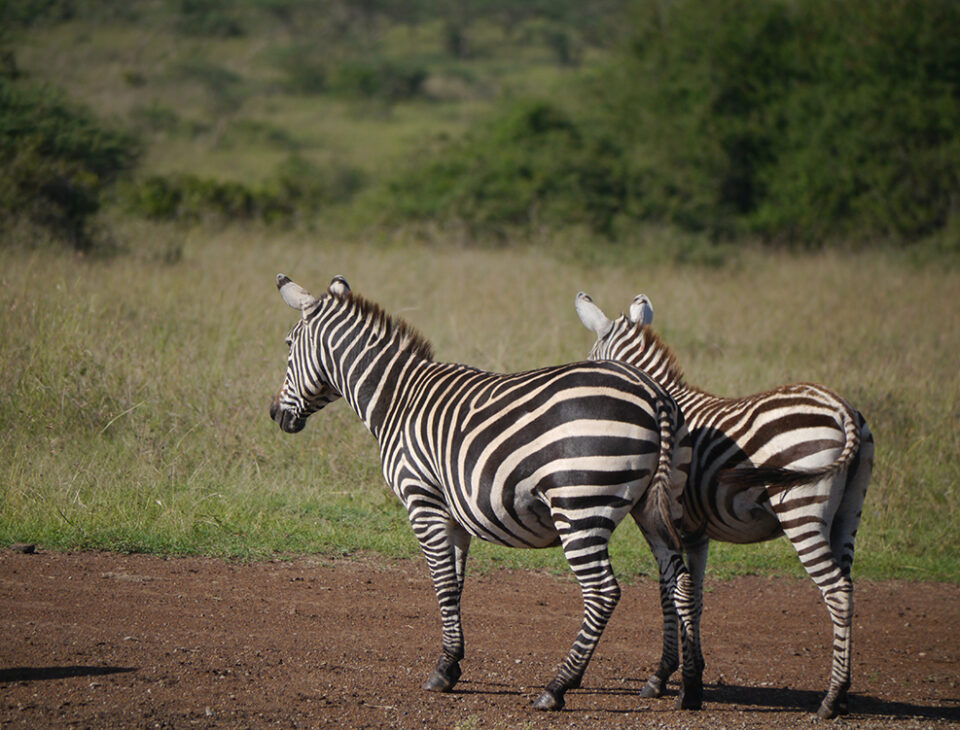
[612, 333]
[307, 387]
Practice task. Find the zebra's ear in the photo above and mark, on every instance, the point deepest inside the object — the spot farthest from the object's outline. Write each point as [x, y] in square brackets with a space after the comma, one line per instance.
[591, 315]
[339, 286]
[641, 310]
[295, 295]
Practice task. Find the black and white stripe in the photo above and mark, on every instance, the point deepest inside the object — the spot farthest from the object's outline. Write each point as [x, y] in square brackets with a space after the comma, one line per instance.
[794, 461]
[557, 456]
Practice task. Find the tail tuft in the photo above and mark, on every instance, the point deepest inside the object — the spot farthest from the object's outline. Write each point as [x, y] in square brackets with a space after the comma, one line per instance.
[660, 484]
[772, 476]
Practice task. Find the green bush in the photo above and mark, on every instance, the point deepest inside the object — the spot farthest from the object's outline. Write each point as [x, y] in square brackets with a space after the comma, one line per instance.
[208, 18]
[155, 117]
[303, 74]
[377, 79]
[532, 164]
[56, 159]
[188, 197]
[308, 69]
[226, 90]
[25, 13]
[297, 189]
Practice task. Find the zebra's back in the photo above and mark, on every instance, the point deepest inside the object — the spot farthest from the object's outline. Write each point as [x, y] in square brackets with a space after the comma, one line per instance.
[505, 451]
[803, 427]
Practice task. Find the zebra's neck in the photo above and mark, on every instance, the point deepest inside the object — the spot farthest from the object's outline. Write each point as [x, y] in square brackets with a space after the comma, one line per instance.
[640, 346]
[370, 357]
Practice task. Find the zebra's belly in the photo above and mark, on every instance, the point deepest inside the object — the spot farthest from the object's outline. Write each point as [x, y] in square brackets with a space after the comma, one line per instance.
[739, 516]
[520, 519]
[760, 528]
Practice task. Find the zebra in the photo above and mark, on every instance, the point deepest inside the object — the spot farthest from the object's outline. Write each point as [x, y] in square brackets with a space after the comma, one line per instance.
[555, 456]
[814, 454]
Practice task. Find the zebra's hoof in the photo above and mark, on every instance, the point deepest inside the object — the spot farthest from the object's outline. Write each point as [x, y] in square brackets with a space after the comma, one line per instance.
[826, 712]
[690, 698]
[442, 681]
[549, 701]
[653, 688]
[691, 694]
[833, 704]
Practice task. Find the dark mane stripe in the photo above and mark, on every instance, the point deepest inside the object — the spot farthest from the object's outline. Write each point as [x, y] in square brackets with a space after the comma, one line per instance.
[656, 351]
[407, 336]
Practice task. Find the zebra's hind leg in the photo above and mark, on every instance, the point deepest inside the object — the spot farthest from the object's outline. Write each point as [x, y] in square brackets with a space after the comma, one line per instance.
[686, 602]
[588, 557]
[839, 600]
[843, 533]
[836, 588]
[445, 547]
[670, 655]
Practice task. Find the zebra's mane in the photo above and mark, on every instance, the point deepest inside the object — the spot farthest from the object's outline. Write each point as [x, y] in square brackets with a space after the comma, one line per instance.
[652, 347]
[389, 326]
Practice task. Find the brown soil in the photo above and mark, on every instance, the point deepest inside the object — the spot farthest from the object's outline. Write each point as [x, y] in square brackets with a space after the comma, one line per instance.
[104, 640]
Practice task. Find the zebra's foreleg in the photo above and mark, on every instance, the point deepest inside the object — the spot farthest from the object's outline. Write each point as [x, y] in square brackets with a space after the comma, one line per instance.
[445, 546]
[687, 601]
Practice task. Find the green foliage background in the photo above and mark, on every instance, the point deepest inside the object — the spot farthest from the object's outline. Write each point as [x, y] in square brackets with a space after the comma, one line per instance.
[800, 122]
[804, 122]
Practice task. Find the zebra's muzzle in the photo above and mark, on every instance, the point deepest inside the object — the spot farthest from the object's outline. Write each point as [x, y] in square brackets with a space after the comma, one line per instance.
[288, 422]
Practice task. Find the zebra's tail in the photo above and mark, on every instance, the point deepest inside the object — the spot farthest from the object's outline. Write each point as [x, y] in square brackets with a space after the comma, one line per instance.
[782, 478]
[661, 482]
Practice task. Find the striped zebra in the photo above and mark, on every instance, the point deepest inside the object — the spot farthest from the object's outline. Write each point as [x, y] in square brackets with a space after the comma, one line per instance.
[814, 456]
[557, 456]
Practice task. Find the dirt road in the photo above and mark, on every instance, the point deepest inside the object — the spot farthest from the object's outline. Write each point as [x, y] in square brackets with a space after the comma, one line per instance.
[96, 640]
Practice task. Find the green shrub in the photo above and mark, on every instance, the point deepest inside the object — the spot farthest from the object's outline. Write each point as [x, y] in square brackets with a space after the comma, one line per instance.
[308, 69]
[532, 164]
[304, 67]
[155, 117]
[307, 185]
[377, 79]
[802, 121]
[25, 13]
[56, 159]
[208, 18]
[188, 197]
[225, 89]
[297, 189]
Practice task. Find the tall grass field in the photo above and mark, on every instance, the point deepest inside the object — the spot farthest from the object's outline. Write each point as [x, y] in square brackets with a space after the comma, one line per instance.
[134, 394]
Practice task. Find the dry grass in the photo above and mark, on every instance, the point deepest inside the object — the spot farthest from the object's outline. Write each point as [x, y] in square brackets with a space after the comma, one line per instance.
[134, 393]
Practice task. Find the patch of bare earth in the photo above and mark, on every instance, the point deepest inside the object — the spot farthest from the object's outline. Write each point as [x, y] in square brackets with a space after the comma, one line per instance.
[103, 640]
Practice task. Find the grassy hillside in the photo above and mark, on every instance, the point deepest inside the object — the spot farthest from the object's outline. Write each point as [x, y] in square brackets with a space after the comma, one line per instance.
[233, 107]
